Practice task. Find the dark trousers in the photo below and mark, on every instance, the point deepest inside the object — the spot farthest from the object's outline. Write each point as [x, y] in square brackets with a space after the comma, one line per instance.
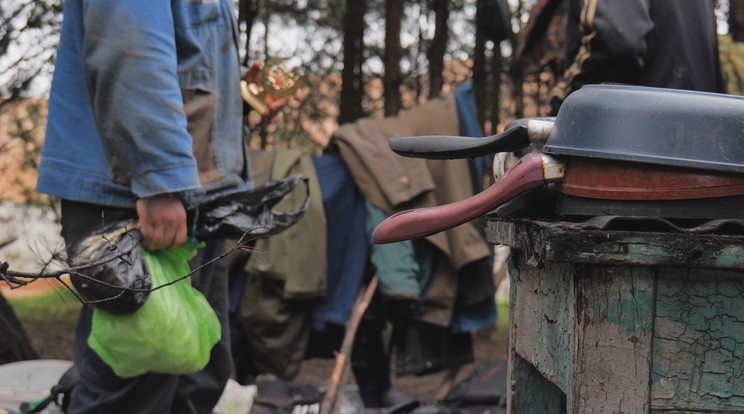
[99, 389]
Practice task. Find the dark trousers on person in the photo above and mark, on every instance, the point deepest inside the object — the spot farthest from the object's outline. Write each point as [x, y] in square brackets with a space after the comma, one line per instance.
[102, 391]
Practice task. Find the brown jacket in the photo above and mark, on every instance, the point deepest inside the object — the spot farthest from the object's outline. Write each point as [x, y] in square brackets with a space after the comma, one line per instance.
[394, 183]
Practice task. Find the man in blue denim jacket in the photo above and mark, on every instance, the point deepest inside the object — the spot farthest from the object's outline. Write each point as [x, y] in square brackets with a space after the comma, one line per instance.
[145, 113]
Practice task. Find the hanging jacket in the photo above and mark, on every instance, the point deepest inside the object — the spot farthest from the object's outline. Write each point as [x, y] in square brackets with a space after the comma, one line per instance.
[393, 183]
[732, 63]
[662, 43]
[296, 256]
[347, 243]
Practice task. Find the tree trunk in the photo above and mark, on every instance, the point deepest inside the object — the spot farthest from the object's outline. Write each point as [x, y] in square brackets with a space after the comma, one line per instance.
[736, 20]
[495, 95]
[14, 345]
[438, 47]
[480, 80]
[420, 51]
[392, 78]
[247, 13]
[351, 74]
[516, 73]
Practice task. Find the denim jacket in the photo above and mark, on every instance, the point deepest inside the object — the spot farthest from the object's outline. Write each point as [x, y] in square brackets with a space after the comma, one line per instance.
[145, 100]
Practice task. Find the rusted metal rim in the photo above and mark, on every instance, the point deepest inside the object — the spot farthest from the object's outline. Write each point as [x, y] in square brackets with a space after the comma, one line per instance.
[623, 180]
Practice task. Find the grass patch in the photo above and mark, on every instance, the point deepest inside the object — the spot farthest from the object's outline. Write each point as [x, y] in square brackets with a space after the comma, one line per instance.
[502, 309]
[58, 306]
[49, 321]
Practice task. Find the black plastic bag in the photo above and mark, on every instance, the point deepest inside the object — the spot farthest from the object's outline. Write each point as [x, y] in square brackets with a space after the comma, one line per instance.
[120, 284]
[231, 215]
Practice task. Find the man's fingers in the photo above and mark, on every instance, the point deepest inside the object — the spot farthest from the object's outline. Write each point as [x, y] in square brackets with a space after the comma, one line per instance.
[153, 238]
[162, 222]
[278, 103]
[179, 237]
[299, 94]
[275, 111]
[251, 75]
[168, 238]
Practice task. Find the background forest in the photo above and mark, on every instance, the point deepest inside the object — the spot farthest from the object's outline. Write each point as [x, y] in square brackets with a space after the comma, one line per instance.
[360, 57]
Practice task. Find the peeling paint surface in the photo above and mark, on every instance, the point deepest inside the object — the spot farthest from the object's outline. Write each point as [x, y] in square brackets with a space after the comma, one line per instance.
[620, 323]
[544, 313]
[614, 339]
[541, 338]
[699, 340]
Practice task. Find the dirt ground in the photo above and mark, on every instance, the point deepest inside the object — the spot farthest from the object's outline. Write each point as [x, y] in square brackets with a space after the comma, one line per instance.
[54, 341]
[488, 345]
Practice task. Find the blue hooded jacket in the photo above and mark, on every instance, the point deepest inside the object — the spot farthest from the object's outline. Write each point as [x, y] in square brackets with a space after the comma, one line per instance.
[142, 90]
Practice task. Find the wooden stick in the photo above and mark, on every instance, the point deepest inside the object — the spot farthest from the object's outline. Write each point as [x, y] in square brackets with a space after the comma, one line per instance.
[331, 403]
[448, 382]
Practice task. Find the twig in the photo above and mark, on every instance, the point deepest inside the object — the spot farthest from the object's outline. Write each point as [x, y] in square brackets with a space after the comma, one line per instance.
[17, 280]
[10, 240]
[448, 381]
[336, 383]
[242, 244]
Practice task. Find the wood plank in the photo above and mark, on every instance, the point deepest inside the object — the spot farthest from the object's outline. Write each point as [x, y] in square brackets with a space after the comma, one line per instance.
[542, 316]
[614, 339]
[531, 392]
[570, 243]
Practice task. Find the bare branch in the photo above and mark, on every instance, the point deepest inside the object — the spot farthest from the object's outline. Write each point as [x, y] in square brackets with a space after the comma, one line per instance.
[17, 280]
[7, 242]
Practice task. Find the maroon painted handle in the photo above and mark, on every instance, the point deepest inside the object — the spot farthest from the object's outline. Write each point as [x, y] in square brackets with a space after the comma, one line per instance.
[526, 174]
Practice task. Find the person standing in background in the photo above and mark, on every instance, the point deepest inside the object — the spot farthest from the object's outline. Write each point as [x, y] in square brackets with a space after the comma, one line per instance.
[731, 49]
[660, 43]
[145, 115]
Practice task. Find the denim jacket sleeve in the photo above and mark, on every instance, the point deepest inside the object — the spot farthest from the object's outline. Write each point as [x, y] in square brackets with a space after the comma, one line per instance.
[130, 62]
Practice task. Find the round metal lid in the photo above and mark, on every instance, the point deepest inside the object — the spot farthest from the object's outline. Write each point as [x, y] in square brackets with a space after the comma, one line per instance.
[651, 125]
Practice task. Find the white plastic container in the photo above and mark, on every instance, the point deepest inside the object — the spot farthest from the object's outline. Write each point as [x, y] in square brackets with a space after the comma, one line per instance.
[29, 381]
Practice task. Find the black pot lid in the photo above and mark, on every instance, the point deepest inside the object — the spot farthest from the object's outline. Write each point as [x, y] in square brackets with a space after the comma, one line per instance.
[651, 125]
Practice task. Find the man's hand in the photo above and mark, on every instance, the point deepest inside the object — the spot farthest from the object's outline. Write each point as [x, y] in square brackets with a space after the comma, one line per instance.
[275, 105]
[162, 222]
[251, 75]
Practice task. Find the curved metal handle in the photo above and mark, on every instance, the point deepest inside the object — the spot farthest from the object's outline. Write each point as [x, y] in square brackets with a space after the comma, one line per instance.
[518, 135]
[526, 174]
[538, 128]
[441, 147]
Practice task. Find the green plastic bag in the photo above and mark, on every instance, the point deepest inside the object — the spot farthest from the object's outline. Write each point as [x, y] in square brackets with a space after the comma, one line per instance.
[173, 332]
